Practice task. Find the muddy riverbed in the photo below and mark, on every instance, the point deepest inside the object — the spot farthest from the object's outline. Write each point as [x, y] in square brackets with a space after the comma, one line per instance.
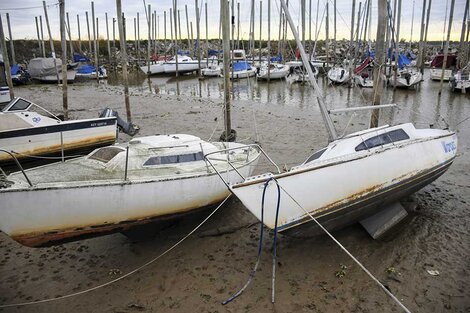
[313, 274]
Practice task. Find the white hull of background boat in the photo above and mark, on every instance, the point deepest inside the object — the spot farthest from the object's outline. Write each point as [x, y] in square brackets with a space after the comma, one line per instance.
[243, 74]
[338, 75]
[341, 190]
[363, 82]
[4, 94]
[437, 72]
[460, 85]
[211, 71]
[155, 68]
[278, 71]
[405, 79]
[53, 78]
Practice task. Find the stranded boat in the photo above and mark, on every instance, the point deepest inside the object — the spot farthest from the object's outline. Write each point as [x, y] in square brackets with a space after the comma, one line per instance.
[117, 187]
[350, 179]
[26, 132]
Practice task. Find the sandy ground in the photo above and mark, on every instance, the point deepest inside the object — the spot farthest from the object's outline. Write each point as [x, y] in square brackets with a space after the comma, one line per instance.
[313, 275]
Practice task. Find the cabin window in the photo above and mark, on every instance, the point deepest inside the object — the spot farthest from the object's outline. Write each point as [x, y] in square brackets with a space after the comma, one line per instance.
[106, 154]
[173, 159]
[383, 139]
[20, 105]
[316, 155]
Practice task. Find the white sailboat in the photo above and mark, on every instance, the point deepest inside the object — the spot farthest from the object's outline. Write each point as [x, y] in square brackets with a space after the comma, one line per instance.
[461, 80]
[185, 65]
[118, 187]
[275, 71]
[352, 178]
[338, 74]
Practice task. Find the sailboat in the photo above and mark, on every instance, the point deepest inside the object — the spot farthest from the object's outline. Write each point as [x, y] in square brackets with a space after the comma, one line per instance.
[353, 178]
[461, 80]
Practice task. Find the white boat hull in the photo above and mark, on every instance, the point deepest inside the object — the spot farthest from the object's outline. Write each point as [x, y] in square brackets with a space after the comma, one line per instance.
[155, 68]
[243, 74]
[277, 73]
[404, 81]
[363, 82]
[70, 211]
[46, 140]
[437, 72]
[338, 75]
[170, 68]
[337, 190]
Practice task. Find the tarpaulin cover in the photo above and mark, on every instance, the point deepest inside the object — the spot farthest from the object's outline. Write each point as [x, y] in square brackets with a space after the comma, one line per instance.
[80, 58]
[241, 66]
[214, 52]
[402, 61]
[361, 67]
[277, 58]
[15, 68]
[439, 60]
[86, 69]
[39, 67]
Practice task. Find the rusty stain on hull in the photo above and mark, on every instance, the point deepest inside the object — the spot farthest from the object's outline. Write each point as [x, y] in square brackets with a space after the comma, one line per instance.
[59, 236]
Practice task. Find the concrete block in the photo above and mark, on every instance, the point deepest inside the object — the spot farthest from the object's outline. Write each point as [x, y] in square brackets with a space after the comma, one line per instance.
[379, 223]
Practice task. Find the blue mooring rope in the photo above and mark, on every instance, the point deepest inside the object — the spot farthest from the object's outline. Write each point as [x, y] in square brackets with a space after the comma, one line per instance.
[260, 245]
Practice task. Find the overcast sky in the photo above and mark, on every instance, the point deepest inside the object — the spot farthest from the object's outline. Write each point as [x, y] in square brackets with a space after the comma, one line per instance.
[23, 12]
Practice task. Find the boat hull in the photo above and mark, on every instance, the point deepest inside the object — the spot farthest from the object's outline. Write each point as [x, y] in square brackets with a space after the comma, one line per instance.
[338, 193]
[46, 216]
[437, 72]
[243, 74]
[46, 140]
[338, 75]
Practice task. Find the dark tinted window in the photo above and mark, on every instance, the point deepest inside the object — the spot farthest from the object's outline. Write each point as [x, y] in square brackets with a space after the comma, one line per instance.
[105, 154]
[316, 155]
[20, 105]
[383, 139]
[172, 159]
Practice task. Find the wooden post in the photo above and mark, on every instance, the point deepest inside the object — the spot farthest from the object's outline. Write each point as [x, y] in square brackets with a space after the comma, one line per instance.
[175, 20]
[238, 25]
[380, 59]
[327, 44]
[226, 48]
[187, 27]
[279, 38]
[64, 58]
[50, 41]
[95, 47]
[114, 34]
[37, 31]
[302, 20]
[192, 38]
[149, 26]
[412, 23]
[421, 36]
[462, 37]
[79, 35]
[123, 54]
[397, 46]
[426, 34]
[260, 28]
[171, 30]
[207, 37]
[269, 40]
[446, 49]
[42, 38]
[352, 59]
[157, 30]
[69, 32]
[135, 36]
[164, 32]
[138, 37]
[252, 27]
[6, 61]
[12, 46]
[198, 37]
[334, 31]
[90, 51]
[107, 37]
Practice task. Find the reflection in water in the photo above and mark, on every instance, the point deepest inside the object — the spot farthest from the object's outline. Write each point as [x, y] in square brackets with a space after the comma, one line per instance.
[422, 106]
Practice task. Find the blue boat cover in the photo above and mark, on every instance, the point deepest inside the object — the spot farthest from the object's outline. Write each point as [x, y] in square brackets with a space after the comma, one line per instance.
[86, 69]
[277, 58]
[241, 66]
[80, 58]
[402, 61]
[15, 68]
[214, 52]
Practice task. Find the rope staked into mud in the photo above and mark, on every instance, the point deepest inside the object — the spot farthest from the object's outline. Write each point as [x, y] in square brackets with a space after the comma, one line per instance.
[125, 275]
[388, 292]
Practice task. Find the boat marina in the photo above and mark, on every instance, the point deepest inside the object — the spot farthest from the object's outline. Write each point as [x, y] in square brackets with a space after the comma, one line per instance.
[243, 181]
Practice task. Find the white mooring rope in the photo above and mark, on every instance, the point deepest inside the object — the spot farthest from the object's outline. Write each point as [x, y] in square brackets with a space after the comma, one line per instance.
[123, 276]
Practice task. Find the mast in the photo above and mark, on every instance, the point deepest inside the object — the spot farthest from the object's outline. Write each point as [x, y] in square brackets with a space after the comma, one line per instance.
[122, 42]
[12, 46]
[462, 36]
[412, 23]
[318, 95]
[63, 44]
[380, 58]
[446, 49]
[4, 50]
[198, 35]
[351, 62]
[50, 41]
[426, 35]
